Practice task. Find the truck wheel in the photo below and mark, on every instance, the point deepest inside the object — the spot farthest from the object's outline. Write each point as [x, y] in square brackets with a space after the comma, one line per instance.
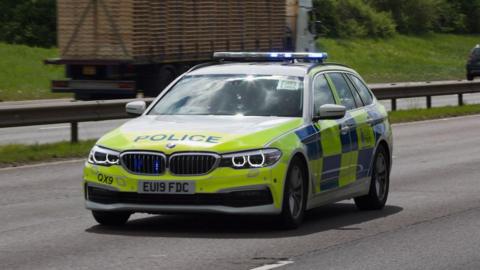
[379, 184]
[294, 196]
[470, 77]
[111, 218]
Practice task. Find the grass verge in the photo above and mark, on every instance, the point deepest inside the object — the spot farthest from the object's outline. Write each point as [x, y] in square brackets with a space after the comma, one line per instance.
[24, 76]
[404, 58]
[400, 58]
[412, 115]
[19, 154]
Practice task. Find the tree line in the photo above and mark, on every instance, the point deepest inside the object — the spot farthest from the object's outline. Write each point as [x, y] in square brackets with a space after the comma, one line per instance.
[383, 18]
[29, 22]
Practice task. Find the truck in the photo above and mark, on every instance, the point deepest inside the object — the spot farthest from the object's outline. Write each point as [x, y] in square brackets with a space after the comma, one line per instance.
[118, 49]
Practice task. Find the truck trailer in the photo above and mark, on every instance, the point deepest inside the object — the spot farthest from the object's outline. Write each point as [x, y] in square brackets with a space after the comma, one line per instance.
[118, 48]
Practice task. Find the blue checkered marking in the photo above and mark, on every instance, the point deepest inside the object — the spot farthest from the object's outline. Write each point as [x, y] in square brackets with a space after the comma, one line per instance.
[350, 139]
[329, 184]
[364, 159]
[379, 128]
[330, 172]
[310, 136]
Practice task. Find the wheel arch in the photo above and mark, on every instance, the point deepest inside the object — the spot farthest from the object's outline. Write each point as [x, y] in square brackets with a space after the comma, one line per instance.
[304, 160]
[383, 143]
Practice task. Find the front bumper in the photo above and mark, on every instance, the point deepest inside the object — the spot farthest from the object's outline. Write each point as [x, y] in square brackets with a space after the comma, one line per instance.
[224, 190]
[250, 200]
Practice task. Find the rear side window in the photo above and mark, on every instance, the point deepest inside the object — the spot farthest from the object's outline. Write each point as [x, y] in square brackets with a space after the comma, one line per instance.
[362, 90]
[343, 90]
[322, 94]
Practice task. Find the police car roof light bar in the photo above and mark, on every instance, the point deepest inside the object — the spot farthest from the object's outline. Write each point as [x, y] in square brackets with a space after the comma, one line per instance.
[270, 56]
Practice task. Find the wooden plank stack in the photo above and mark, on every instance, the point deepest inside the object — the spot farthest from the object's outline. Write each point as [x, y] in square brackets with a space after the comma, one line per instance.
[168, 30]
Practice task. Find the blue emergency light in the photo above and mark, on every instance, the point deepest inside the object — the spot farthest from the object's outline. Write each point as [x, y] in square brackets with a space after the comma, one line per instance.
[270, 56]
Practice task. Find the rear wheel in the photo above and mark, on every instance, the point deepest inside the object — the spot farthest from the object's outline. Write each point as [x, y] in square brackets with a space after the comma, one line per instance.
[470, 77]
[111, 218]
[294, 197]
[379, 184]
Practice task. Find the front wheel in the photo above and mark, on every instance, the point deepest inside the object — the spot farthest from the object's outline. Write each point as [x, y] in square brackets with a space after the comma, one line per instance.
[470, 77]
[294, 197]
[111, 218]
[379, 184]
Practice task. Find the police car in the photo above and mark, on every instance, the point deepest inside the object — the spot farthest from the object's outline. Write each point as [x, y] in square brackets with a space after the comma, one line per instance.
[250, 133]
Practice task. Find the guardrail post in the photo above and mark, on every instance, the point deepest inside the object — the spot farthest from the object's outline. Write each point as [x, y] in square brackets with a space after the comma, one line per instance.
[429, 102]
[73, 132]
[460, 99]
[394, 104]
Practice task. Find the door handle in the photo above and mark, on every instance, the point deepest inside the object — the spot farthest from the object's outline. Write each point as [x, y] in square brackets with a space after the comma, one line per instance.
[370, 120]
[345, 129]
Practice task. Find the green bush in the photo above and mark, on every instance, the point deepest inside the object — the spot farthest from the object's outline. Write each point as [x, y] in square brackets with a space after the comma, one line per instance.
[471, 9]
[411, 16]
[352, 18]
[30, 22]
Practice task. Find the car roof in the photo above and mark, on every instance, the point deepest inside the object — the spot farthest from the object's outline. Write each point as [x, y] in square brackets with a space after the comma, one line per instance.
[298, 69]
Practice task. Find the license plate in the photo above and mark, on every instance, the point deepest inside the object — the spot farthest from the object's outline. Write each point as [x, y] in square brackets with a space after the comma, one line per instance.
[166, 187]
[89, 70]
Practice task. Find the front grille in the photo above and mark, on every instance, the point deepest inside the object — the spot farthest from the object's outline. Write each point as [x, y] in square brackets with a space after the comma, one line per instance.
[144, 163]
[192, 163]
[233, 199]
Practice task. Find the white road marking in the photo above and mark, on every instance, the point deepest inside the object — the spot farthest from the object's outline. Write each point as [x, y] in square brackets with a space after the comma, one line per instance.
[56, 127]
[272, 266]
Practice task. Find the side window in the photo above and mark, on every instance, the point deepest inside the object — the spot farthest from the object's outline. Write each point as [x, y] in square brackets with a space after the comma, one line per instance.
[356, 96]
[322, 94]
[343, 90]
[362, 90]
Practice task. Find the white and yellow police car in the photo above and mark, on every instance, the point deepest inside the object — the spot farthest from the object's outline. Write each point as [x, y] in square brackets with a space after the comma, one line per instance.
[251, 133]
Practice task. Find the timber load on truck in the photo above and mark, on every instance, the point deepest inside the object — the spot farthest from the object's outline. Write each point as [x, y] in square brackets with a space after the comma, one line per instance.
[113, 49]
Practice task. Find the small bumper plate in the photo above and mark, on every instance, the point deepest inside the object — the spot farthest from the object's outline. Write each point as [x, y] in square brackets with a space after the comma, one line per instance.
[89, 70]
[166, 187]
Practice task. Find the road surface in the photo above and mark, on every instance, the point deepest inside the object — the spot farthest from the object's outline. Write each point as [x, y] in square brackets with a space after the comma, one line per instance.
[431, 222]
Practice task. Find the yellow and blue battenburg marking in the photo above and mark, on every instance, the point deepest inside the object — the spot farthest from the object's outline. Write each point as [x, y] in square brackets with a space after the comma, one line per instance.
[340, 162]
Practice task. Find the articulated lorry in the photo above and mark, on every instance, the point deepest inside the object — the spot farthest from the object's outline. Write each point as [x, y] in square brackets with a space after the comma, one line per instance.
[118, 48]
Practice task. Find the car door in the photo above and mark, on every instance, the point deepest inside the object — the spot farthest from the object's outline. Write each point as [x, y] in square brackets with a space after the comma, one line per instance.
[366, 119]
[347, 159]
[329, 152]
[325, 157]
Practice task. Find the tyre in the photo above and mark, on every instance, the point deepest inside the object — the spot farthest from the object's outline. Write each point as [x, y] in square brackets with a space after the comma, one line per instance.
[379, 184]
[111, 218]
[294, 196]
[470, 77]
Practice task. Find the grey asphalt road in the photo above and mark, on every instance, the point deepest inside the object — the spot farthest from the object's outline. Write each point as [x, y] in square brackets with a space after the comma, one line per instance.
[431, 221]
[93, 130]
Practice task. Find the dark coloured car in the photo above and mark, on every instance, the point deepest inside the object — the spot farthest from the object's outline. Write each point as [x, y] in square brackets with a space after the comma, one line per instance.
[473, 63]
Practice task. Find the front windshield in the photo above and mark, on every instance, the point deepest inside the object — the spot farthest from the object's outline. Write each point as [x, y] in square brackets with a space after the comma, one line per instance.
[249, 95]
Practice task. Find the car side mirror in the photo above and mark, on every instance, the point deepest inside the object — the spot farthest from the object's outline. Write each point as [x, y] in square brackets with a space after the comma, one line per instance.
[137, 107]
[330, 112]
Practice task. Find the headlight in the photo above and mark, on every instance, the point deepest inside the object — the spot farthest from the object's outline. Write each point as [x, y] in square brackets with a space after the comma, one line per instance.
[103, 156]
[251, 159]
